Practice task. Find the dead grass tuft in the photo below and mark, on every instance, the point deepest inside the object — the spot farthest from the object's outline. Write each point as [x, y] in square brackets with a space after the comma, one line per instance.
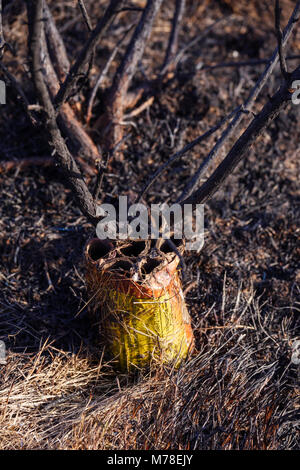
[236, 392]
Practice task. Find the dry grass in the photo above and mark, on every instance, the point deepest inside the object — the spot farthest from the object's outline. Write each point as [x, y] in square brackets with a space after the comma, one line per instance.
[237, 392]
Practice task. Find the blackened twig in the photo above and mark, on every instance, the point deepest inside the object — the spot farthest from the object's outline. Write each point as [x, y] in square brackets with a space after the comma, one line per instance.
[2, 40]
[85, 15]
[173, 40]
[62, 155]
[232, 127]
[3, 43]
[56, 45]
[15, 84]
[242, 63]
[115, 101]
[103, 166]
[77, 70]
[282, 59]
[89, 26]
[21, 163]
[100, 175]
[103, 75]
[19, 92]
[181, 152]
[181, 258]
[121, 10]
[135, 48]
[7, 165]
[269, 112]
[55, 62]
[201, 37]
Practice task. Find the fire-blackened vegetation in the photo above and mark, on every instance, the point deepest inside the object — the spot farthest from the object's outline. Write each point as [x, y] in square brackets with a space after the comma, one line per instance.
[239, 389]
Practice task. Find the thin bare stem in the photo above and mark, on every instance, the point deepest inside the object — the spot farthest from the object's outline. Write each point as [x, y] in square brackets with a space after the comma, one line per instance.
[135, 49]
[62, 155]
[173, 40]
[103, 166]
[20, 163]
[55, 62]
[103, 75]
[2, 40]
[242, 63]
[77, 70]
[282, 59]
[269, 112]
[13, 81]
[99, 180]
[201, 37]
[89, 26]
[56, 46]
[232, 127]
[85, 15]
[3, 43]
[181, 152]
[116, 97]
[16, 85]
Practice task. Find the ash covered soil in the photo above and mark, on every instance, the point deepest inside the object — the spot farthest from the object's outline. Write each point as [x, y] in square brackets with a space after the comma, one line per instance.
[240, 389]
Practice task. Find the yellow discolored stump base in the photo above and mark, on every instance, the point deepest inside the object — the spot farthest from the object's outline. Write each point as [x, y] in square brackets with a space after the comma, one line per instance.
[141, 323]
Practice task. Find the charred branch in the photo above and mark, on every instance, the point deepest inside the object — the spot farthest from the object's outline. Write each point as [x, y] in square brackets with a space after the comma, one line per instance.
[173, 40]
[116, 97]
[282, 59]
[62, 155]
[270, 111]
[54, 57]
[78, 69]
[233, 125]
